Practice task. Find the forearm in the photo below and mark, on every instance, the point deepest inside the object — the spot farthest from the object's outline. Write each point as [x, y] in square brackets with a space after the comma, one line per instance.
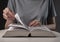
[52, 26]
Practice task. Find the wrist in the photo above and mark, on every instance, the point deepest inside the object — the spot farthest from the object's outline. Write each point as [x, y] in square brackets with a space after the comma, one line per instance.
[10, 20]
[7, 23]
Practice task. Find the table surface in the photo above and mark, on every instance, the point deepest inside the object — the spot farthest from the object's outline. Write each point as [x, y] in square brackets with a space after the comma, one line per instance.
[55, 39]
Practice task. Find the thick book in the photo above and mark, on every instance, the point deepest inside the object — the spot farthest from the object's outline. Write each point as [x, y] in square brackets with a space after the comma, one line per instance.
[21, 30]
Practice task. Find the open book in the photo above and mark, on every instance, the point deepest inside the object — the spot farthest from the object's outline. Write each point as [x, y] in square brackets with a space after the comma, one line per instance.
[23, 26]
[21, 30]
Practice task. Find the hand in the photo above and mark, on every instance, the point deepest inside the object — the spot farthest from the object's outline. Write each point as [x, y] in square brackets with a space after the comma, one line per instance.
[35, 23]
[8, 15]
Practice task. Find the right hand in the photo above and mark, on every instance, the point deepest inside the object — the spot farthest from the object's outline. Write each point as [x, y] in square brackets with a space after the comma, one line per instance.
[8, 14]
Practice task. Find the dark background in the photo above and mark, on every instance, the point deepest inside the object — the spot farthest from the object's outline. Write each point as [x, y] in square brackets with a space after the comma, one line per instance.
[57, 6]
[3, 4]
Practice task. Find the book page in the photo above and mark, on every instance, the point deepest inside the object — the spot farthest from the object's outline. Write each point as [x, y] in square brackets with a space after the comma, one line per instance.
[17, 26]
[39, 28]
[18, 19]
[21, 25]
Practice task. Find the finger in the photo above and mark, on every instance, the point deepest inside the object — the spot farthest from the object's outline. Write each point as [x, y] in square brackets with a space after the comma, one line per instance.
[7, 18]
[7, 14]
[33, 22]
[4, 16]
[5, 11]
[36, 24]
[10, 12]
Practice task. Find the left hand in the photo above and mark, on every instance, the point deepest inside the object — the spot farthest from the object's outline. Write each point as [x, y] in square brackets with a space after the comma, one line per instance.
[35, 23]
